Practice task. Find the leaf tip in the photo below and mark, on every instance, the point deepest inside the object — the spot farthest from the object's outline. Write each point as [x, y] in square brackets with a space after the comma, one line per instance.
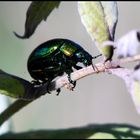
[21, 37]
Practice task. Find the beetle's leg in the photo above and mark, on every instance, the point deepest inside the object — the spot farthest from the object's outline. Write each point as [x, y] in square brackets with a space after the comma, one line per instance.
[58, 91]
[95, 68]
[69, 71]
[48, 92]
[37, 95]
[48, 84]
[77, 67]
[71, 81]
[49, 69]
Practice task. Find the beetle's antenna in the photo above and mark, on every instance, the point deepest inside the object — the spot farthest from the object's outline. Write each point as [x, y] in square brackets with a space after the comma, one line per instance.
[96, 56]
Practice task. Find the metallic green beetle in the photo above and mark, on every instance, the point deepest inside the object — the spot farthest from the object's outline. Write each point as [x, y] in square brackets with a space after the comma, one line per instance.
[56, 57]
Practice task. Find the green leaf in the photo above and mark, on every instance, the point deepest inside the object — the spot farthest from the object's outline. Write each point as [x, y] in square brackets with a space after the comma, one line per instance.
[92, 16]
[99, 23]
[37, 11]
[13, 86]
[111, 15]
[100, 135]
[135, 93]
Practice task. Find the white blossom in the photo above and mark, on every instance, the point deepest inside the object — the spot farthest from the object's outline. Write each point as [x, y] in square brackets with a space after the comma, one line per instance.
[128, 44]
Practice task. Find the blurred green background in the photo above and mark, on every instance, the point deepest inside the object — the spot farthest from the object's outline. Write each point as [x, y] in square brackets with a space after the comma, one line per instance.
[97, 99]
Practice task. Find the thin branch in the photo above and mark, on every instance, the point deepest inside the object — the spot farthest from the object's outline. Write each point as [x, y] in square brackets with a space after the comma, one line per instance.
[98, 68]
[129, 59]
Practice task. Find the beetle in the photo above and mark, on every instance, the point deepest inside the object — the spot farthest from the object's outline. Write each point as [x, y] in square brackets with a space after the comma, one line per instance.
[55, 57]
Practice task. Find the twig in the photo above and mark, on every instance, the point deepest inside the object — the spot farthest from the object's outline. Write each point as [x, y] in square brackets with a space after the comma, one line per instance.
[129, 59]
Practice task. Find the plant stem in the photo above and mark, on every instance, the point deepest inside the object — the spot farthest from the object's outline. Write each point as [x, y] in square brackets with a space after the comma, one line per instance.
[129, 59]
[12, 109]
[93, 131]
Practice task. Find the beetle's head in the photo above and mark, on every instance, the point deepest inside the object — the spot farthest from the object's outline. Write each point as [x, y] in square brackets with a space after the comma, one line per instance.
[84, 57]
